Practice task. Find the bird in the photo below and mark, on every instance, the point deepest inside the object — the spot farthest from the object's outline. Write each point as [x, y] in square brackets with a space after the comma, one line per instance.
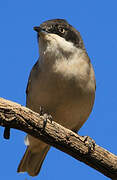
[62, 81]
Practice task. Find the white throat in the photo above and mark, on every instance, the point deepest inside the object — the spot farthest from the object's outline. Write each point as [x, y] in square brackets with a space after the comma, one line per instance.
[55, 48]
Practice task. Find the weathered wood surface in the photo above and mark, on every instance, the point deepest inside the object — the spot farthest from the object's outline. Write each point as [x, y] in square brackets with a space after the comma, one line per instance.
[13, 115]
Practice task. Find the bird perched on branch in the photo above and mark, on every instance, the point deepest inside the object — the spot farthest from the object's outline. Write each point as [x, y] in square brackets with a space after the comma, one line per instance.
[62, 81]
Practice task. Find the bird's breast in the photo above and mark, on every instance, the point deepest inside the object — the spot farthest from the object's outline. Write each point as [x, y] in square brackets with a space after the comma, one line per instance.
[63, 92]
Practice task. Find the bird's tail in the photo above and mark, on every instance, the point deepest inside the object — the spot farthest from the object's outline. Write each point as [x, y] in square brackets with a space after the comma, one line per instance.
[33, 159]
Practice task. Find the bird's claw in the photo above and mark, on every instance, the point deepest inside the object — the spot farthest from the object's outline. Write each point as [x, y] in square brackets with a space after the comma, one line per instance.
[90, 143]
[45, 117]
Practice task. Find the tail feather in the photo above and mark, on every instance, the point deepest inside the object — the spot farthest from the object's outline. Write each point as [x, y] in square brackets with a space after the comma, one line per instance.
[32, 160]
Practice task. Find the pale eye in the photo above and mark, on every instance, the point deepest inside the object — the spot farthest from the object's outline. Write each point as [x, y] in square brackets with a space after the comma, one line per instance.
[62, 30]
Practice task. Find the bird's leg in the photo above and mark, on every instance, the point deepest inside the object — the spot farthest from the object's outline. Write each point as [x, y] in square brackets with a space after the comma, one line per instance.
[41, 111]
[45, 117]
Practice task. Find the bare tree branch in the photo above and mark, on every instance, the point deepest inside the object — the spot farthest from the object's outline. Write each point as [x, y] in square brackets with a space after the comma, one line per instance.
[13, 115]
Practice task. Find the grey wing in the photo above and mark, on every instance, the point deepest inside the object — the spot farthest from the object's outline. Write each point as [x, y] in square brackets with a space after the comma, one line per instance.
[32, 73]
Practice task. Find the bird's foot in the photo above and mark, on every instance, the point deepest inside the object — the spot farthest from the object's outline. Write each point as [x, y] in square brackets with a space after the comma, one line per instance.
[90, 143]
[45, 117]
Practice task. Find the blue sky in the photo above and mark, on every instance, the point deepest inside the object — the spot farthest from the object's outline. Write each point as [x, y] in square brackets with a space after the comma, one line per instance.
[97, 23]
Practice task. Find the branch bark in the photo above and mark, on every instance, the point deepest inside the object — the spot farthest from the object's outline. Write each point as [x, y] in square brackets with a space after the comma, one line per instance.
[13, 115]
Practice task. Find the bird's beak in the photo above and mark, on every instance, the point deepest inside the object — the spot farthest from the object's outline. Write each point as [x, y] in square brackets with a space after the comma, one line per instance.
[40, 31]
[37, 29]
